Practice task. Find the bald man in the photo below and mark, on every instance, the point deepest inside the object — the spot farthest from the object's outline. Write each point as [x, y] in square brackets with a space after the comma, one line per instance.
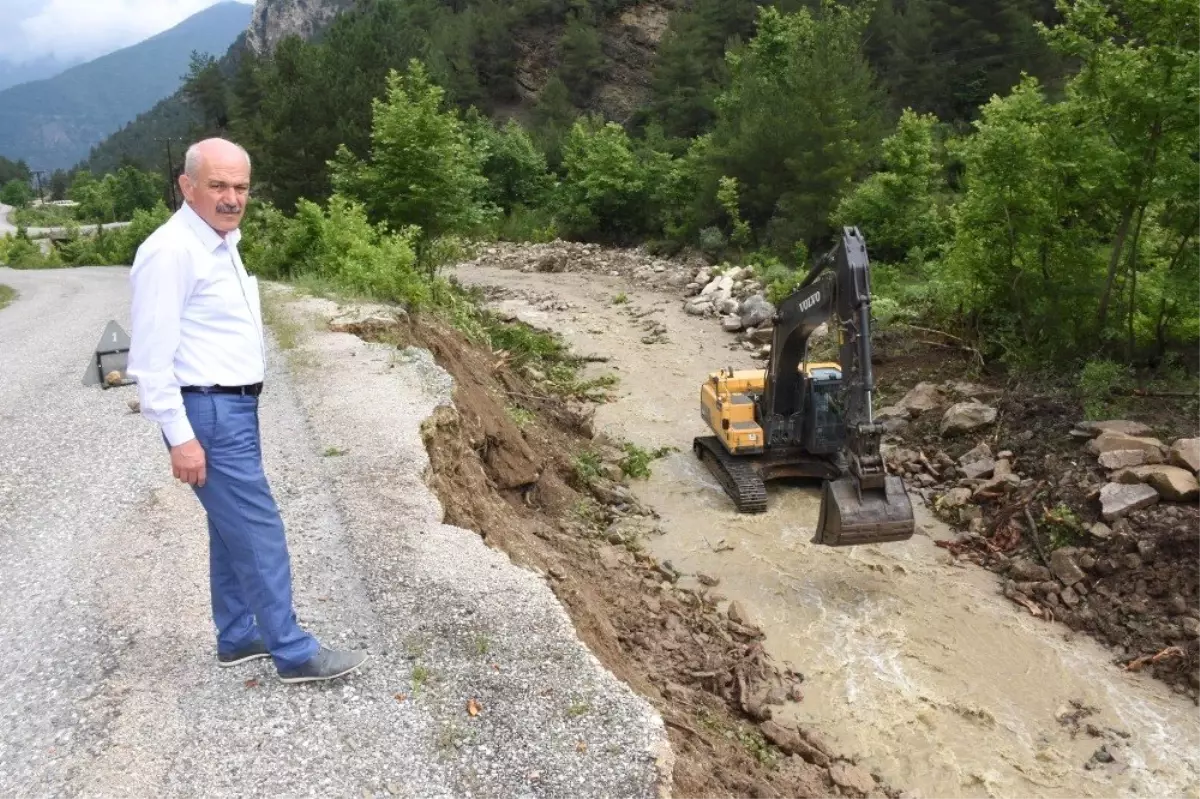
[199, 359]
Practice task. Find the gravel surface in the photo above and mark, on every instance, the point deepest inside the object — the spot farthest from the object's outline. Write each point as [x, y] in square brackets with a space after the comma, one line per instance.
[5, 225]
[112, 687]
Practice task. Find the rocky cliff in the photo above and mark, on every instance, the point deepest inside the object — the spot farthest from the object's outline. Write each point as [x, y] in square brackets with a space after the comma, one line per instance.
[275, 19]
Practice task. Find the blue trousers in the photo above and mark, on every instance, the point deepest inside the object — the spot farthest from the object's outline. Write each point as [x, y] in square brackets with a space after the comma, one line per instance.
[250, 574]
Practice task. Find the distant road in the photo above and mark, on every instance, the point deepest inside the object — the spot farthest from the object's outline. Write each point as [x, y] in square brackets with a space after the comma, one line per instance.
[7, 227]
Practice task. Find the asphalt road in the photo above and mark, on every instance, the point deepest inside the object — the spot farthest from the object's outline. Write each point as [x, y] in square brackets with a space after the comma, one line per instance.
[110, 685]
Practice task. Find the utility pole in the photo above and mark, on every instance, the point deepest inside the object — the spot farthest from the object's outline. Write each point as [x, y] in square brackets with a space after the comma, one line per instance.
[170, 169]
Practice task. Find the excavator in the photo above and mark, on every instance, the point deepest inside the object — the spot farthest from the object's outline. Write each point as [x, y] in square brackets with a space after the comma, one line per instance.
[811, 419]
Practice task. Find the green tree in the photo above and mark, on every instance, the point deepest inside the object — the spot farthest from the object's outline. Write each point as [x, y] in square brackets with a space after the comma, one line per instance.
[515, 169]
[552, 118]
[421, 170]
[582, 63]
[13, 170]
[16, 193]
[902, 208]
[60, 181]
[797, 124]
[1023, 257]
[608, 191]
[1138, 84]
[205, 88]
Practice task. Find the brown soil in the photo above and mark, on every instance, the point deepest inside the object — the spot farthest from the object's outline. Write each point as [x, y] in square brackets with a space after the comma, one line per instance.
[706, 673]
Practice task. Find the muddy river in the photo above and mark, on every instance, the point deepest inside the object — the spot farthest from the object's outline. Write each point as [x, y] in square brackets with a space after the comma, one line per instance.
[916, 665]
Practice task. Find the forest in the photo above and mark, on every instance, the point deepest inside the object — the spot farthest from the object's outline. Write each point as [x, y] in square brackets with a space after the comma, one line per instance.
[1025, 172]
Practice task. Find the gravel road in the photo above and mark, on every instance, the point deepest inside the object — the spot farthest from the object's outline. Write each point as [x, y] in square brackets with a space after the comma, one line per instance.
[111, 687]
[5, 226]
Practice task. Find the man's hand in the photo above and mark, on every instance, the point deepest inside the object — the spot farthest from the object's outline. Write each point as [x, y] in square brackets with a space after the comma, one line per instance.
[187, 462]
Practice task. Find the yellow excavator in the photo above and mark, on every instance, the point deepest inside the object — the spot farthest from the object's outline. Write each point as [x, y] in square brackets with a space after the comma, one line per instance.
[814, 420]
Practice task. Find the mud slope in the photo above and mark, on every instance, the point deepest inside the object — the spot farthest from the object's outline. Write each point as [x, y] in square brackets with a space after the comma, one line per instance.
[912, 662]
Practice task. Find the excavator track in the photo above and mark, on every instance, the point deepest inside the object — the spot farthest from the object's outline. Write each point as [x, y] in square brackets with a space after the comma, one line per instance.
[739, 479]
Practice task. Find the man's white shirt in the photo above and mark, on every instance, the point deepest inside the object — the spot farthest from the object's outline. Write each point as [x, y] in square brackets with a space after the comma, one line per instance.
[195, 319]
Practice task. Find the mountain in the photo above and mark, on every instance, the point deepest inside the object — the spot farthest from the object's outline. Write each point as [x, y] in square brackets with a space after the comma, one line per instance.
[46, 67]
[53, 123]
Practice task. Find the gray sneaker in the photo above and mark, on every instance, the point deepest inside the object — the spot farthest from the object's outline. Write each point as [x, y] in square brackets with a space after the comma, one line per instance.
[327, 664]
[252, 652]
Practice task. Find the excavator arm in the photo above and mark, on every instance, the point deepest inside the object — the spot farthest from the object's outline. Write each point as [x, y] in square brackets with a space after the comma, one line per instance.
[866, 504]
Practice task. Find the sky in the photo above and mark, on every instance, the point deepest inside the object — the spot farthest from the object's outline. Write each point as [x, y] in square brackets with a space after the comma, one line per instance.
[74, 30]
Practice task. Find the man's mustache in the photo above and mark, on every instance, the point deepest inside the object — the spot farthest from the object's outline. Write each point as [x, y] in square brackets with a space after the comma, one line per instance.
[226, 208]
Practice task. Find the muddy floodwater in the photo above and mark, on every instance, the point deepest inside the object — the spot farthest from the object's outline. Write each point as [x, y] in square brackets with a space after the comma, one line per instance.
[913, 663]
[922, 668]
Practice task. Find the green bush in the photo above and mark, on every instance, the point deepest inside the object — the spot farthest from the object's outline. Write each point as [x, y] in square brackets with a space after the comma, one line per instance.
[1096, 381]
[20, 252]
[608, 190]
[337, 244]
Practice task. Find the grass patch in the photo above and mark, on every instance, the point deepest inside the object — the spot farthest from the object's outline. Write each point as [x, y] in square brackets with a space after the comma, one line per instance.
[43, 216]
[333, 452]
[288, 331]
[521, 417]
[636, 463]
[577, 709]
[588, 467]
[420, 676]
[482, 645]
[7, 295]
[620, 299]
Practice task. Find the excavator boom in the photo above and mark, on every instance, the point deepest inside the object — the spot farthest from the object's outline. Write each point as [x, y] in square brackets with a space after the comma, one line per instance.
[867, 505]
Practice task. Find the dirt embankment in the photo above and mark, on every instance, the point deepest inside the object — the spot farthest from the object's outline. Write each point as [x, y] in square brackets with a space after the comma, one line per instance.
[520, 466]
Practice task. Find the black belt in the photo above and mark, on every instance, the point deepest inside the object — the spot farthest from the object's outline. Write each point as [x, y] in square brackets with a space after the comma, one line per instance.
[252, 390]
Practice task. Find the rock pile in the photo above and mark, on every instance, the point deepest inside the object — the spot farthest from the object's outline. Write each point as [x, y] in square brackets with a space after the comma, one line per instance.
[568, 256]
[1141, 471]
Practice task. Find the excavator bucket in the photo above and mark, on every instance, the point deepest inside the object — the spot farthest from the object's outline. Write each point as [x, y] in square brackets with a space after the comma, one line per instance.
[881, 516]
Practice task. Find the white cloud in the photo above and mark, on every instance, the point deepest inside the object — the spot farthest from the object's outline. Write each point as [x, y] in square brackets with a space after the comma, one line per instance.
[85, 29]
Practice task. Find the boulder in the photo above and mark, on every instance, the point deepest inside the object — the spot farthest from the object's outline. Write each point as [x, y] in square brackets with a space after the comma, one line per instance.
[1171, 482]
[1024, 570]
[756, 311]
[854, 778]
[1065, 568]
[1185, 453]
[1123, 458]
[551, 262]
[1093, 429]
[978, 462]
[698, 306]
[731, 324]
[1113, 441]
[891, 412]
[921, 398]
[711, 287]
[367, 321]
[1119, 499]
[963, 417]
[1003, 468]
[970, 390]
[729, 307]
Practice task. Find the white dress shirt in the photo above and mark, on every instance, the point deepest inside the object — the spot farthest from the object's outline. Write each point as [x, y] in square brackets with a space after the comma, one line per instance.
[195, 317]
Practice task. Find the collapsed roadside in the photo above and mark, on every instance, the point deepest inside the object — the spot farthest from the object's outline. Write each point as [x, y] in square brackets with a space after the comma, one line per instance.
[517, 459]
